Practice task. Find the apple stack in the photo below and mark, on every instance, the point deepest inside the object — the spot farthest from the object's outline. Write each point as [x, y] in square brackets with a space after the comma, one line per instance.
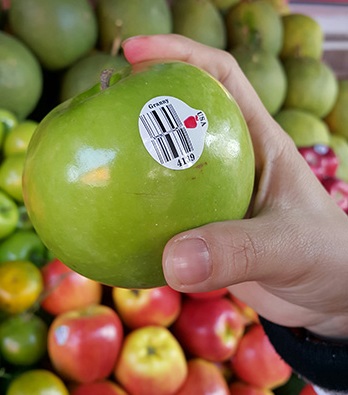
[78, 337]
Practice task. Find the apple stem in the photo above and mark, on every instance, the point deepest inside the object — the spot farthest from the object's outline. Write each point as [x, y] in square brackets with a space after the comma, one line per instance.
[116, 44]
[105, 78]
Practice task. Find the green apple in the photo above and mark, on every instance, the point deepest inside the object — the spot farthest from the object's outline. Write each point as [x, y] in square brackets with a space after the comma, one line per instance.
[11, 169]
[9, 215]
[23, 339]
[112, 174]
[8, 119]
[23, 245]
[17, 140]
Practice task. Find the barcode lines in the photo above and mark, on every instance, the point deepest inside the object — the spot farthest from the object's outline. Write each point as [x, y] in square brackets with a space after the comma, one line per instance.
[168, 135]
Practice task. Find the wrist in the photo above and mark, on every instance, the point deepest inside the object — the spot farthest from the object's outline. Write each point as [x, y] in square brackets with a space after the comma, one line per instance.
[321, 362]
[333, 330]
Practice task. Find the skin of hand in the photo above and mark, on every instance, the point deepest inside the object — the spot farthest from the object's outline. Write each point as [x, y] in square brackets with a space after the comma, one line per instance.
[288, 259]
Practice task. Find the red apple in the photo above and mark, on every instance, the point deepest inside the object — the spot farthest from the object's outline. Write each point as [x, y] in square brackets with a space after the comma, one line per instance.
[321, 159]
[338, 190]
[210, 329]
[143, 307]
[67, 290]
[151, 362]
[83, 344]
[102, 387]
[256, 362]
[204, 378]
[249, 314]
[308, 389]
[240, 388]
[209, 294]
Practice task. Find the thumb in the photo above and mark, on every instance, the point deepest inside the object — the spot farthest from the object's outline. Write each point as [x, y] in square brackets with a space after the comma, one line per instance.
[221, 254]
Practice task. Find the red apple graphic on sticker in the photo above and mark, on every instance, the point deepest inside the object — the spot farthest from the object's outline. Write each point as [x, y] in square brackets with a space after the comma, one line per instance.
[191, 122]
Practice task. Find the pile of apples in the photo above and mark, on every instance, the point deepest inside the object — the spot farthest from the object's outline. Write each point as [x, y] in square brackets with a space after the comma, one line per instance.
[94, 339]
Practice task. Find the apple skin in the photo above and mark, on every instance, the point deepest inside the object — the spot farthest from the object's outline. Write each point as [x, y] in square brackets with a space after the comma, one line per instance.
[240, 388]
[210, 329]
[143, 307]
[89, 152]
[321, 159]
[83, 344]
[151, 362]
[67, 290]
[249, 314]
[203, 378]
[102, 387]
[257, 363]
[217, 293]
[338, 190]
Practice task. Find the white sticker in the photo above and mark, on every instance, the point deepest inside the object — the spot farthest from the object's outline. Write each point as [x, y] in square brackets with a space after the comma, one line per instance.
[173, 133]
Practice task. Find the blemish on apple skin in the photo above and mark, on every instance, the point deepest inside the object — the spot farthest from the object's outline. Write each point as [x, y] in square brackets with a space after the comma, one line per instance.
[201, 165]
[61, 334]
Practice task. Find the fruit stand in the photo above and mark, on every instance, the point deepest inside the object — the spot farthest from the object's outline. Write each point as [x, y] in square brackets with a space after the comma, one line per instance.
[63, 328]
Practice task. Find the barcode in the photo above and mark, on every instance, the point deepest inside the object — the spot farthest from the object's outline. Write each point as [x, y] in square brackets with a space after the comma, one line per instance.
[167, 133]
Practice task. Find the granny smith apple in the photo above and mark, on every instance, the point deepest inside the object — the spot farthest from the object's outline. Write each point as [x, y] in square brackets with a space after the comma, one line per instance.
[113, 173]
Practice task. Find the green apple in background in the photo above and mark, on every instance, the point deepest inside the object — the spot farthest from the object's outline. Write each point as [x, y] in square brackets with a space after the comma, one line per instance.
[303, 127]
[112, 174]
[23, 339]
[9, 215]
[11, 169]
[17, 140]
[23, 245]
[7, 119]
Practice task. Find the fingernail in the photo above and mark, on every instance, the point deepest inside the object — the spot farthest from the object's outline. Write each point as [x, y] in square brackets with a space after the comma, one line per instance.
[189, 261]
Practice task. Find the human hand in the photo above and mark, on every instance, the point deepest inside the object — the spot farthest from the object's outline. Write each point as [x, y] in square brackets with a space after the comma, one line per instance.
[288, 259]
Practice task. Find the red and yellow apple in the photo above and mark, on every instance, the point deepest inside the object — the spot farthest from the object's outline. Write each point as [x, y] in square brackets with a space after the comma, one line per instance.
[256, 361]
[203, 378]
[151, 362]
[143, 307]
[65, 290]
[210, 329]
[84, 344]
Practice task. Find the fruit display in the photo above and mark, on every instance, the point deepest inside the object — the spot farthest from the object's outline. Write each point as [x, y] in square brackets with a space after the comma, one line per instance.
[64, 329]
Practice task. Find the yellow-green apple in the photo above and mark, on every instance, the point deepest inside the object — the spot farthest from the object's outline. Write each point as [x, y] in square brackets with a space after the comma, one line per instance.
[65, 290]
[101, 387]
[209, 294]
[241, 388]
[151, 361]
[256, 362]
[155, 149]
[9, 215]
[203, 378]
[84, 344]
[209, 329]
[18, 138]
[11, 170]
[143, 307]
